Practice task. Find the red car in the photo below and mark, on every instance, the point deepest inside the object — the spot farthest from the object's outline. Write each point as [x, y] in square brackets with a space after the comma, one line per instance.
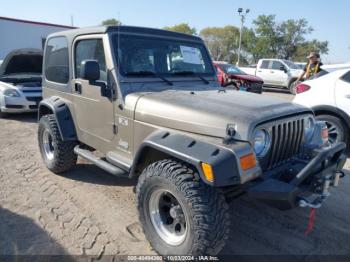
[231, 75]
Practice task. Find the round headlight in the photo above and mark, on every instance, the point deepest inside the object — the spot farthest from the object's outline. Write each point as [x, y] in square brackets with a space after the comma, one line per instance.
[262, 142]
[309, 128]
[11, 92]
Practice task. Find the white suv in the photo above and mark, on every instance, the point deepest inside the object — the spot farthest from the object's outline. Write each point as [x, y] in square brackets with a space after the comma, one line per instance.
[329, 97]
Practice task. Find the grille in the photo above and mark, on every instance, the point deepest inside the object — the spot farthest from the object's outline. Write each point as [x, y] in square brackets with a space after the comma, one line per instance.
[34, 99]
[286, 139]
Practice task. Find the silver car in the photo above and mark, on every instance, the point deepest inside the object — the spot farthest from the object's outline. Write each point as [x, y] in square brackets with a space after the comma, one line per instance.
[20, 81]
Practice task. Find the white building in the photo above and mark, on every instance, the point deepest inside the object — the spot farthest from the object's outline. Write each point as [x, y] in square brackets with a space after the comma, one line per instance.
[16, 34]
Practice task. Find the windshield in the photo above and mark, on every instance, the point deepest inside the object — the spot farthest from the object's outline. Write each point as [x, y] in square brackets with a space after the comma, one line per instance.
[150, 56]
[291, 65]
[231, 69]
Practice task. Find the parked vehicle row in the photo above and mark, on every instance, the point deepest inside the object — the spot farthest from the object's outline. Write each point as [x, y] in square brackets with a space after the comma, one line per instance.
[20, 81]
[276, 72]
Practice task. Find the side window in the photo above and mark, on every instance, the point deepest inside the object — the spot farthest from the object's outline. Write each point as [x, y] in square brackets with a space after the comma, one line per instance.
[346, 77]
[56, 60]
[276, 65]
[265, 64]
[90, 49]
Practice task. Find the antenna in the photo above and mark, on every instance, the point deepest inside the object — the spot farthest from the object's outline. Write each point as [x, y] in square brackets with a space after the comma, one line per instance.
[72, 20]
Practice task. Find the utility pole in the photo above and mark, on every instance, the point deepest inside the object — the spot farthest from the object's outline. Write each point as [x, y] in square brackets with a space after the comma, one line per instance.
[242, 15]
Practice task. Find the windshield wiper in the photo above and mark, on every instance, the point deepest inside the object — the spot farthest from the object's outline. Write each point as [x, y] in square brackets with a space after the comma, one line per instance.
[191, 73]
[149, 73]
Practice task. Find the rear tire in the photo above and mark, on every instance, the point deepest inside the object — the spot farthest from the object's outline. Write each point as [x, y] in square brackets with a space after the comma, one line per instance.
[337, 130]
[58, 155]
[179, 213]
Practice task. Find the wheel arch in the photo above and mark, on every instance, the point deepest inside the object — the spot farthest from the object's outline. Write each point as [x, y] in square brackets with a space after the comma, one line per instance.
[162, 144]
[58, 106]
[331, 110]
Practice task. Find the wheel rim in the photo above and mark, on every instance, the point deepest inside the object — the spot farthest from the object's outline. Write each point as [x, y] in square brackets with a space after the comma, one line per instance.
[334, 132]
[48, 145]
[168, 217]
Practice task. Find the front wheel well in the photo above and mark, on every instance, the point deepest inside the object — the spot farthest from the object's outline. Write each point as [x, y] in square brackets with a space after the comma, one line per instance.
[150, 155]
[44, 110]
[326, 112]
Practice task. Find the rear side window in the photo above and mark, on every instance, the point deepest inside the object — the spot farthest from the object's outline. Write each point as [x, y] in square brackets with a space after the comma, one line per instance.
[265, 64]
[87, 50]
[346, 77]
[56, 60]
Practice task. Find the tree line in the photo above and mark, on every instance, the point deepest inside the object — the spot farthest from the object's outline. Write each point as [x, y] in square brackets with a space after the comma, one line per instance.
[267, 38]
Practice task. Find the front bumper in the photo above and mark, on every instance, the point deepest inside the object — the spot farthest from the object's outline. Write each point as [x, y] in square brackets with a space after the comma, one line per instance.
[302, 182]
[22, 104]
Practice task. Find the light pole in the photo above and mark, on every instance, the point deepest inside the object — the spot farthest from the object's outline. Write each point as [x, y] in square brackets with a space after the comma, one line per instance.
[242, 15]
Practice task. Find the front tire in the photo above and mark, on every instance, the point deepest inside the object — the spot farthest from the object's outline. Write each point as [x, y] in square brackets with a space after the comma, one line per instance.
[337, 130]
[292, 87]
[179, 213]
[58, 155]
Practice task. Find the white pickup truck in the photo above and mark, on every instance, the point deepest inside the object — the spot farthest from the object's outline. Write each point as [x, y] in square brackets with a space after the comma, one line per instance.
[276, 72]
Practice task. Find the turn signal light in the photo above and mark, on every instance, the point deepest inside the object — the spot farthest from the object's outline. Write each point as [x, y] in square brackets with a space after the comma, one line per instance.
[301, 88]
[248, 161]
[208, 172]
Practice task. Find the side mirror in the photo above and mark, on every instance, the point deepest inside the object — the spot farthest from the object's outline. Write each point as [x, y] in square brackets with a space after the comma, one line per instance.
[283, 68]
[90, 70]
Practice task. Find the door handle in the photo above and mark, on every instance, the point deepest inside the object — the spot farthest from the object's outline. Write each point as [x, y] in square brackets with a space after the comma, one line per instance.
[77, 88]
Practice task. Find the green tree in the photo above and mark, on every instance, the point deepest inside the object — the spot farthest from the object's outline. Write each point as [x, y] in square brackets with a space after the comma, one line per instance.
[310, 46]
[222, 42]
[267, 39]
[281, 40]
[182, 28]
[111, 21]
[292, 35]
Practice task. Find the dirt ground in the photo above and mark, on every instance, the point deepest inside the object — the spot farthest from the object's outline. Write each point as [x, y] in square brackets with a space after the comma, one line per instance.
[88, 211]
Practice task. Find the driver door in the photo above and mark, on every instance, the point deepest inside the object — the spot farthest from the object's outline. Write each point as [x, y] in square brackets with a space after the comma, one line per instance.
[278, 76]
[94, 112]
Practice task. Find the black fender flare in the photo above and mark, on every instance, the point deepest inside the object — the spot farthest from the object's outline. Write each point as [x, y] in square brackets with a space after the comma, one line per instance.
[191, 151]
[58, 106]
[323, 109]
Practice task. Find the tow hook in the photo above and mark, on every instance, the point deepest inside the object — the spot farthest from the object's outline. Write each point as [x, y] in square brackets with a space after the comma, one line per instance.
[306, 203]
[330, 180]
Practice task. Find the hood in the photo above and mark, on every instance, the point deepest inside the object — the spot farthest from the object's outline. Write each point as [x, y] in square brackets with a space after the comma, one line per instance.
[22, 61]
[209, 112]
[249, 78]
[295, 72]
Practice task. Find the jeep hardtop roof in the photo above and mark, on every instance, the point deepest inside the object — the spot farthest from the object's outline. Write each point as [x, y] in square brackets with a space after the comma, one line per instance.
[71, 34]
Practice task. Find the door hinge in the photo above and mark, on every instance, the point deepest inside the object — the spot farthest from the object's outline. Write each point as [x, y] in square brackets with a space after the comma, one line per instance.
[115, 129]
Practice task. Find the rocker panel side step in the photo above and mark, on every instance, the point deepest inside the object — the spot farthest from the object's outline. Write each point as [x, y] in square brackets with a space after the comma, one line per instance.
[113, 170]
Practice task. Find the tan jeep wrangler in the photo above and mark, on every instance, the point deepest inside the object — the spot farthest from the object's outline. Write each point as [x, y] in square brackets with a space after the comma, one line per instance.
[149, 102]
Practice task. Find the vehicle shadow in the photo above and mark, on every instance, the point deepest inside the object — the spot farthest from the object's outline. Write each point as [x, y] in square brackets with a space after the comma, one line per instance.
[25, 117]
[89, 173]
[20, 236]
[275, 90]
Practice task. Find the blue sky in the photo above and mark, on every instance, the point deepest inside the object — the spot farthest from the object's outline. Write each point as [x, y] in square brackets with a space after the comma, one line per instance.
[330, 19]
